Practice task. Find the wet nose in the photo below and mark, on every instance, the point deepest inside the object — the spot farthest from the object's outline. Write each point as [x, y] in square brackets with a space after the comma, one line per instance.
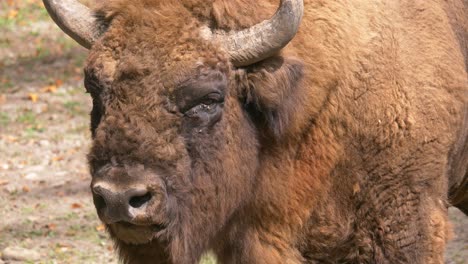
[120, 205]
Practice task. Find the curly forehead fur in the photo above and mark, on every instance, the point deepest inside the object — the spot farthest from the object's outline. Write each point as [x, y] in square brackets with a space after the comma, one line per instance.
[174, 28]
[134, 28]
[220, 14]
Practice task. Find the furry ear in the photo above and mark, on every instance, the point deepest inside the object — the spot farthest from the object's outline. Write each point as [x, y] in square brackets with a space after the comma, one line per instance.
[271, 91]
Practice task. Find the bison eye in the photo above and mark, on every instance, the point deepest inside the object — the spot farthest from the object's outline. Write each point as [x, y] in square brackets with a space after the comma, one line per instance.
[209, 104]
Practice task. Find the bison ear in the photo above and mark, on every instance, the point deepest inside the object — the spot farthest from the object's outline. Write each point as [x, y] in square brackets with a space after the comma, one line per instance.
[273, 94]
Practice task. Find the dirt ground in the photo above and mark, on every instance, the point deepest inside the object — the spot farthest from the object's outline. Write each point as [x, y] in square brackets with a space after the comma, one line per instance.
[46, 211]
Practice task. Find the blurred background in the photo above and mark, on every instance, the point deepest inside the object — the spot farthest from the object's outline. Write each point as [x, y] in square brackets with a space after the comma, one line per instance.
[46, 210]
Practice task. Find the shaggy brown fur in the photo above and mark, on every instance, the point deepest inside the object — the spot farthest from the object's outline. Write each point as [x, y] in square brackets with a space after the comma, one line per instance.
[341, 149]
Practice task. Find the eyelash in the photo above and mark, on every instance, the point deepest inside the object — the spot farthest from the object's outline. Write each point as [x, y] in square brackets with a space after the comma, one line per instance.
[207, 108]
[208, 105]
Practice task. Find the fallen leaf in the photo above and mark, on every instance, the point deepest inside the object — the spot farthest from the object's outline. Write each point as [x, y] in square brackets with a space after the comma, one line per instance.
[10, 2]
[58, 82]
[4, 182]
[76, 205]
[57, 158]
[38, 41]
[100, 228]
[26, 189]
[49, 89]
[10, 139]
[3, 98]
[51, 226]
[33, 97]
[71, 151]
[12, 13]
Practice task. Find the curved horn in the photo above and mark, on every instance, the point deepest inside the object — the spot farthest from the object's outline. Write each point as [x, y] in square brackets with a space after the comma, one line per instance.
[262, 40]
[75, 19]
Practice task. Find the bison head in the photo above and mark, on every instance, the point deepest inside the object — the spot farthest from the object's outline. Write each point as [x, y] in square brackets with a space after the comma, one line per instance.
[175, 115]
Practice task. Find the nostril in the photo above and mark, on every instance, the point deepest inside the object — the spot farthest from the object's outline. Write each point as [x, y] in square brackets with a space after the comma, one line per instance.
[99, 201]
[139, 201]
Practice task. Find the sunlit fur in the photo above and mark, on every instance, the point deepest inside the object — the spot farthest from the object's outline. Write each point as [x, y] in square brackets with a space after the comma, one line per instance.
[341, 149]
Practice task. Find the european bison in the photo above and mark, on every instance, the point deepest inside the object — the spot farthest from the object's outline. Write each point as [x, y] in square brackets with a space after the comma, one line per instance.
[343, 143]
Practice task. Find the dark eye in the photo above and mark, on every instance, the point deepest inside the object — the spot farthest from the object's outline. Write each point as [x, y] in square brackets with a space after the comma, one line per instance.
[207, 105]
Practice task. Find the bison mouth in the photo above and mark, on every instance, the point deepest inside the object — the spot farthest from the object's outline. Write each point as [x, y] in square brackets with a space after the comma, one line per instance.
[135, 234]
